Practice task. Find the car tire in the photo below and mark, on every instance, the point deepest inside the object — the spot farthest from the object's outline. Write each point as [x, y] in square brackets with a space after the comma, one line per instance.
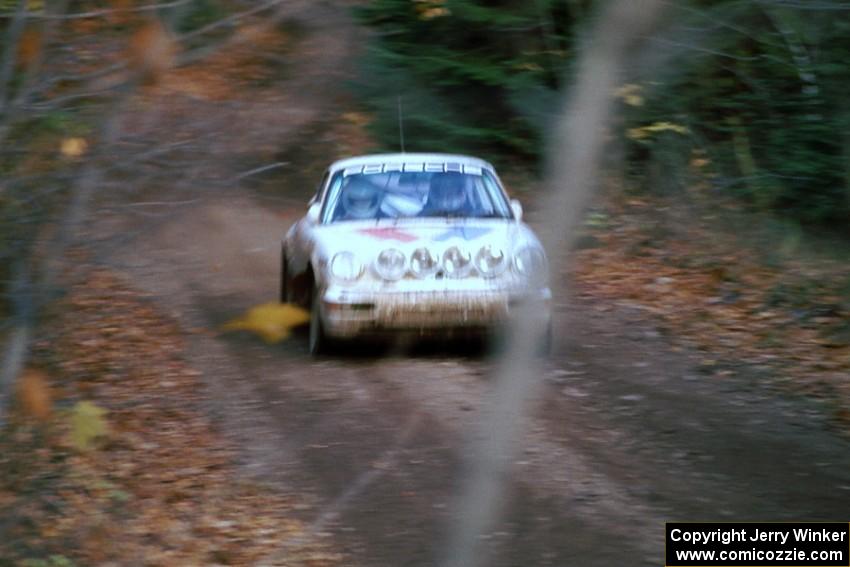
[319, 343]
[284, 284]
[545, 349]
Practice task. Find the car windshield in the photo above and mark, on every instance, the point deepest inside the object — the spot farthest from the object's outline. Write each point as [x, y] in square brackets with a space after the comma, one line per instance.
[469, 193]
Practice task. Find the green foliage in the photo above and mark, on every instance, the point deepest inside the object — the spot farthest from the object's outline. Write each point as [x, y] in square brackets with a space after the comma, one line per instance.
[757, 88]
[470, 74]
[764, 97]
[9, 6]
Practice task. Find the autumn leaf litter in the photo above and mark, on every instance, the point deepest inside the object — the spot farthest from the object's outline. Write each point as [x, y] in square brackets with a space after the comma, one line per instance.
[156, 484]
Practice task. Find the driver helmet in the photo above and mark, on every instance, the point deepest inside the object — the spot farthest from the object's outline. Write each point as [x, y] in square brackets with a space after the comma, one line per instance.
[400, 205]
[361, 199]
[447, 192]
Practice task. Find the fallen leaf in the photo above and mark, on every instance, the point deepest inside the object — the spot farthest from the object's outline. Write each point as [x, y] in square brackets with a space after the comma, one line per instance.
[87, 425]
[34, 395]
[273, 322]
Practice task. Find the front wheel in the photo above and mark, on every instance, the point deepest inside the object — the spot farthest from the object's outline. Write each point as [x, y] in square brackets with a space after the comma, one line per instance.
[545, 348]
[284, 284]
[319, 341]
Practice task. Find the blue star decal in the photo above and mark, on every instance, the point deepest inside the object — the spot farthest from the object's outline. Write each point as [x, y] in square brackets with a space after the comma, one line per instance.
[465, 232]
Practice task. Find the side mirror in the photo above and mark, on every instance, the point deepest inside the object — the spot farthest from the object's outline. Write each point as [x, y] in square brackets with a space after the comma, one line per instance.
[516, 207]
[313, 213]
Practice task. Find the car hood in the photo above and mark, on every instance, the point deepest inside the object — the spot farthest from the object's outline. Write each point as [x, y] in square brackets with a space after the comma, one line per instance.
[368, 238]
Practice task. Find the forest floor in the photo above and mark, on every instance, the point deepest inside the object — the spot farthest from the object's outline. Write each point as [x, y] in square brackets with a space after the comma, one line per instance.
[692, 378]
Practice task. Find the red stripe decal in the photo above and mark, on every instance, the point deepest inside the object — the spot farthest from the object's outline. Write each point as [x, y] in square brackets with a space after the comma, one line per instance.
[389, 234]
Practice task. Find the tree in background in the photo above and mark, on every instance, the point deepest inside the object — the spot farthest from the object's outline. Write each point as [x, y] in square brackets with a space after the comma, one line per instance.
[470, 74]
[756, 89]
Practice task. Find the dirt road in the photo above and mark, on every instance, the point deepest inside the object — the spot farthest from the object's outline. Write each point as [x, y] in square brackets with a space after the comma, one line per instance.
[625, 433]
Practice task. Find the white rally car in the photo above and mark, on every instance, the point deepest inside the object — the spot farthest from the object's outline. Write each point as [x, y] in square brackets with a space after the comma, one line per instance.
[426, 243]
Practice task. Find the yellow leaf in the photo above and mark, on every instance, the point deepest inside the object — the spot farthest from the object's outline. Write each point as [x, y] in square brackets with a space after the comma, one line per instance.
[630, 94]
[529, 67]
[87, 425]
[73, 147]
[430, 9]
[667, 127]
[356, 118]
[273, 322]
[646, 131]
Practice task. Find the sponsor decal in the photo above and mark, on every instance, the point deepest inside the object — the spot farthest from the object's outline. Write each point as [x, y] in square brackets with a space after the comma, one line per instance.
[389, 233]
[464, 232]
[373, 169]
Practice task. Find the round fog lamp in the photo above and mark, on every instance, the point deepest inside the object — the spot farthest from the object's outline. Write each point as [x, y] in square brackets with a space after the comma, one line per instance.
[423, 263]
[345, 267]
[456, 262]
[390, 264]
[531, 264]
[491, 262]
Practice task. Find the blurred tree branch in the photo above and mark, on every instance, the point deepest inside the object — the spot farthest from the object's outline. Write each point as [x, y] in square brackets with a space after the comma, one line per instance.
[574, 159]
[10, 52]
[60, 15]
[63, 192]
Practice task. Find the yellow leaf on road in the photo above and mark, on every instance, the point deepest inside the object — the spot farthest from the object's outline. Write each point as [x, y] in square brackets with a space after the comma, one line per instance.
[273, 322]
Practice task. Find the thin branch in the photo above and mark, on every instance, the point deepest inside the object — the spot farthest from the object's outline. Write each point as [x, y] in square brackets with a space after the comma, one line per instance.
[159, 203]
[579, 139]
[80, 77]
[225, 22]
[54, 103]
[257, 170]
[105, 12]
[809, 5]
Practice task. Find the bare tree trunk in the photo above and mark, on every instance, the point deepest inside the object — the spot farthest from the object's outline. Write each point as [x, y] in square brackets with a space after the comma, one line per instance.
[32, 71]
[573, 166]
[29, 296]
[17, 345]
[38, 288]
[797, 49]
[10, 52]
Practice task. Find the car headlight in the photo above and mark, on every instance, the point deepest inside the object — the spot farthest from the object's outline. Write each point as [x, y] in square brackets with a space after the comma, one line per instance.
[456, 262]
[530, 263]
[390, 264]
[345, 267]
[491, 262]
[423, 263]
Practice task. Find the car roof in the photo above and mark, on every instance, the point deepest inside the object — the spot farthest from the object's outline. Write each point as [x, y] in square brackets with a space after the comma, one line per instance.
[409, 158]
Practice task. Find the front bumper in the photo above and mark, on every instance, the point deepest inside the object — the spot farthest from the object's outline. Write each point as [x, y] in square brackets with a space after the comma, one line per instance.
[348, 313]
